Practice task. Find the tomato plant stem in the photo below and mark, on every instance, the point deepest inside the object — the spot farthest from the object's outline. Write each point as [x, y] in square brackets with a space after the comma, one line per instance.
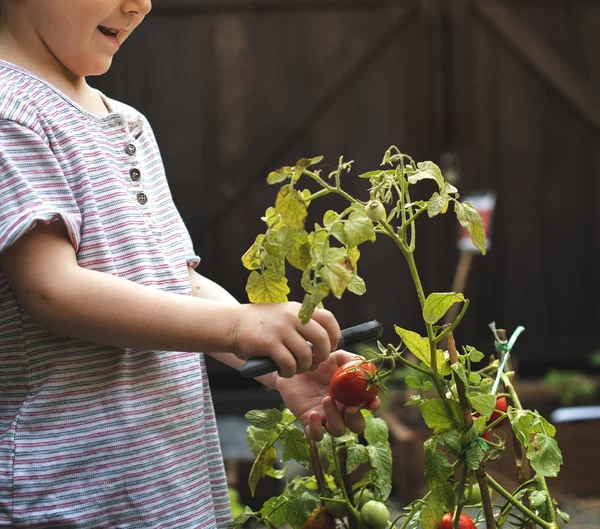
[454, 324]
[465, 407]
[540, 480]
[342, 484]
[516, 503]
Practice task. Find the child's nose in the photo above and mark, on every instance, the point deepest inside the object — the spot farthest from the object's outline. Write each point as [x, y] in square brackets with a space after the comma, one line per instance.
[142, 7]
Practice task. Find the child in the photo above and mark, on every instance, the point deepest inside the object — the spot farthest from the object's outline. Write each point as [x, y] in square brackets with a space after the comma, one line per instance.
[106, 417]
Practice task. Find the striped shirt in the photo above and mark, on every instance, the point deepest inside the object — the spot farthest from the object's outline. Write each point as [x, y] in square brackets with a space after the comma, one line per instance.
[93, 436]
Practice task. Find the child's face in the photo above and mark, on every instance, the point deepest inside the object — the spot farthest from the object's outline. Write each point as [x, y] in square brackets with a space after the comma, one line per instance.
[75, 31]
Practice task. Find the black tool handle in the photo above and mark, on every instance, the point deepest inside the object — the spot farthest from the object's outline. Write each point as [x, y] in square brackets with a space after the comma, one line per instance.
[350, 336]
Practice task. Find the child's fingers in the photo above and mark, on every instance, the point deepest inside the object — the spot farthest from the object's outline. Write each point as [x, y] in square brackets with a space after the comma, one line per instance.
[314, 427]
[335, 424]
[327, 320]
[301, 351]
[318, 336]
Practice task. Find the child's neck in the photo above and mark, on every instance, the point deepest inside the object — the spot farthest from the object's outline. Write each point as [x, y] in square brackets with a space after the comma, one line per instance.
[74, 87]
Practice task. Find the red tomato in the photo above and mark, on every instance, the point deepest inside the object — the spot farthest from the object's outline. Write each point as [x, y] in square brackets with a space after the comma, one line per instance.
[486, 435]
[350, 382]
[320, 519]
[464, 522]
[501, 406]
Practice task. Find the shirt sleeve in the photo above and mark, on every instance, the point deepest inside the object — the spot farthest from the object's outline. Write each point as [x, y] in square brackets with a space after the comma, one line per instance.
[191, 258]
[33, 187]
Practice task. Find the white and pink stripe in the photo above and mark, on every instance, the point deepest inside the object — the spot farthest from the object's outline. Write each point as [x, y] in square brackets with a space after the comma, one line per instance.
[94, 436]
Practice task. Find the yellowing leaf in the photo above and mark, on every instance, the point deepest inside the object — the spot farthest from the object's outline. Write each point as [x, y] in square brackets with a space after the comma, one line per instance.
[438, 303]
[416, 344]
[291, 206]
[267, 287]
[262, 464]
[279, 175]
[336, 271]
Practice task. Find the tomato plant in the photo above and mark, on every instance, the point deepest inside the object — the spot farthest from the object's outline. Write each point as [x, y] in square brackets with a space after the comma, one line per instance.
[354, 384]
[465, 406]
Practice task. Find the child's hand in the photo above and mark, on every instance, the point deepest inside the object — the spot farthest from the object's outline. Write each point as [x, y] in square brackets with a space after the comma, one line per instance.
[307, 397]
[275, 330]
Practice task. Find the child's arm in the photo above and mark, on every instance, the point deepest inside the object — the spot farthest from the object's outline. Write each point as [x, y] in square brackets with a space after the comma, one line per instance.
[66, 299]
[203, 287]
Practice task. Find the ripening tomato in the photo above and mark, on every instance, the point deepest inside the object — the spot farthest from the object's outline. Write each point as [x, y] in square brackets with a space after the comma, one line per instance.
[464, 522]
[501, 406]
[320, 519]
[352, 384]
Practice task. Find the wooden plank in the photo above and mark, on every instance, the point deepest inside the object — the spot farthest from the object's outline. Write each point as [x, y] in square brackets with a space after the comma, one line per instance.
[528, 47]
[278, 136]
[202, 7]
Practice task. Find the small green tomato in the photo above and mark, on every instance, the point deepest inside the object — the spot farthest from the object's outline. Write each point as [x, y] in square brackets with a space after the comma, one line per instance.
[375, 211]
[375, 515]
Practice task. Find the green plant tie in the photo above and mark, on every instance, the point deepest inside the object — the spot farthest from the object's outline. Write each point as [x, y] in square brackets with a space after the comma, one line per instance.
[503, 348]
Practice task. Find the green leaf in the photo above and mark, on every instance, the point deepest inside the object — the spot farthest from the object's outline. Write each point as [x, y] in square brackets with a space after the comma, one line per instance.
[275, 510]
[565, 516]
[376, 430]
[470, 219]
[449, 189]
[428, 170]
[267, 287]
[438, 303]
[266, 419]
[357, 285]
[290, 204]
[358, 229]
[432, 512]
[311, 301]
[473, 354]
[300, 505]
[336, 271]
[544, 454]
[527, 423]
[538, 498]
[452, 440]
[380, 456]
[416, 344]
[474, 457]
[279, 175]
[262, 464]
[357, 455]
[371, 174]
[437, 204]
[258, 438]
[460, 372]
[294, 445]
[437, 417]
[242, 518]
[437, 467]
[483, 403]
[443, 494]
[277, 473]
[413, 382]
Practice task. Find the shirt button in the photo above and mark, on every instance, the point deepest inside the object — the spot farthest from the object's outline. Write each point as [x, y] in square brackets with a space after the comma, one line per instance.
[130, 149]
[142, 198]
[135, 174]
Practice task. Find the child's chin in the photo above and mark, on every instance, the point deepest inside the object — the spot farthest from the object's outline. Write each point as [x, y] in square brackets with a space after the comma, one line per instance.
[99, 68]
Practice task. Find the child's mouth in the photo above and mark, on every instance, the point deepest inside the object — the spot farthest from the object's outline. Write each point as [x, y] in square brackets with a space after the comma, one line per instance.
[108, 32]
